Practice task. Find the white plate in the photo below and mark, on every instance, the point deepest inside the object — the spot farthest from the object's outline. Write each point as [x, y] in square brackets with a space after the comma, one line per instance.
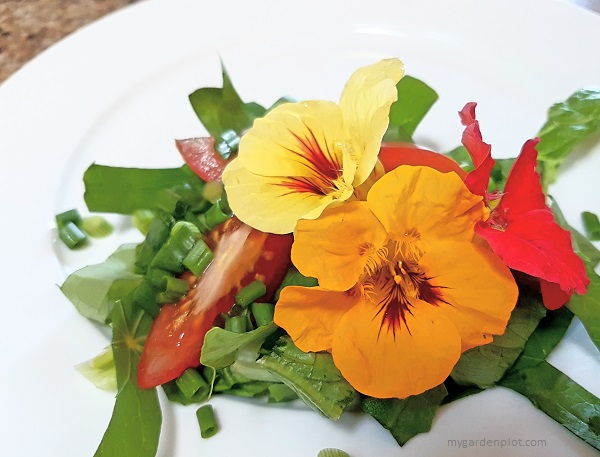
[116, 93]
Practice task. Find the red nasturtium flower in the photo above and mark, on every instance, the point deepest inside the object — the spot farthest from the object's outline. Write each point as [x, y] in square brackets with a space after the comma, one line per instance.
[521, 229]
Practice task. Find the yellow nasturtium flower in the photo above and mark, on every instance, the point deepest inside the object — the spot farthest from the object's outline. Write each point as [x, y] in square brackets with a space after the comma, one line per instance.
[302, 157]
[403, 290]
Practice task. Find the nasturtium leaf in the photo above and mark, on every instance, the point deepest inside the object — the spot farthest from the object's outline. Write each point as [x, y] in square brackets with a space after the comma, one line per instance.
[313, 376]
[89, 288]
[561, 398]
[125, 190]
[415, 99]
[484, 365]
[134, 428]
[220, 348]
[582, 246]
[222, 109]
[587, 307]
[567, 124]
[408, 417]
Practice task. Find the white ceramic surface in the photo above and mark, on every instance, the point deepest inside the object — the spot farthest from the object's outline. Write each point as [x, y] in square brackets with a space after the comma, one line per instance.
[116, 93]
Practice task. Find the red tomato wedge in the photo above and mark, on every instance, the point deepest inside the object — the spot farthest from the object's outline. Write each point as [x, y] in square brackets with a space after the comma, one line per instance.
[201, 157]
[392, 155]
[241, 255]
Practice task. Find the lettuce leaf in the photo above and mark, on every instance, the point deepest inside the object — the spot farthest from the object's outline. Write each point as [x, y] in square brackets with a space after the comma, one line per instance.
[134, 427]
[568, 123]
[89, 289]
[408, 417]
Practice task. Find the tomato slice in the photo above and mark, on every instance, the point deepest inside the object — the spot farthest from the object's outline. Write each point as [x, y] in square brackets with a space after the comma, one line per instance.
[201, 157]
[241, 255]
[392, 155]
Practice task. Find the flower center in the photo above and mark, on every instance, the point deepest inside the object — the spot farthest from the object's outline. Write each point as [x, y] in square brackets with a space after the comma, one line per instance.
[393, 279]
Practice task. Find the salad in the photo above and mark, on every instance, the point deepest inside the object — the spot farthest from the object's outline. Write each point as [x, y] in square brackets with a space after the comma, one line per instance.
[310, 251]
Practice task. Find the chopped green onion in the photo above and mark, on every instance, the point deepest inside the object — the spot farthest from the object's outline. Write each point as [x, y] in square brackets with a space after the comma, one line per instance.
[158, 234]
[212, 191]
[142, 218]
[71, 215]
[170, 201]
[190, 382]
[96, 227]
[171, 254]
[71, 235]
[199, 258]
[174, 290]
[250, 293]
[591, 224]
[144, 297]
[332, 452]
[207, 421]
[227, 144]
[263, 313]
[279, 393]
[237, 324]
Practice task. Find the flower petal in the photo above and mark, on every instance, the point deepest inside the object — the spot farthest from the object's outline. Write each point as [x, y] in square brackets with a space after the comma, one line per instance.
[266, 204]
[365, 104]
[310, 314]
[437, 205]
[386, 364]
[335, 247]
[480, 152]
[295, 139]
[535, 244]
[479, 292]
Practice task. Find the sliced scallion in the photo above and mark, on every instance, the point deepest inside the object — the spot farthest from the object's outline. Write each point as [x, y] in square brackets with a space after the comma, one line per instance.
[237, 324]
[198, 258]
[190, 382]
[250, 293]
[207, 421]
[263, 313]
[71, 235]
[96, 226]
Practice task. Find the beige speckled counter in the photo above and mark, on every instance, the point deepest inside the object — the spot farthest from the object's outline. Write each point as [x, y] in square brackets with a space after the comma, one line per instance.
[27, 27]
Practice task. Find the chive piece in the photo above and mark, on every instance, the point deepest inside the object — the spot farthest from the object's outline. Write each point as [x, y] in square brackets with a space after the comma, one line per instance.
[174, 290]
[190, 382]
[71, 215]
[212, 191]
[263, 313]
[250, 293]
[199, 258]
[96, 227]
[591, 224]
[207, 421]
[142, 218]
[280, 393]
[71, 235]
[332, 452]
[216, 214]
[227, 144]
[237, 324]
[171, 254]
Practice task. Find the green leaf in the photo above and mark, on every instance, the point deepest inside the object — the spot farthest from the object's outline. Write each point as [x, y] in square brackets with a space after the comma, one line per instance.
[125, 190]
[544, 339]
[221, 346]
[294, 278]
[89, 289]
[134, 428]
[561, 398]
[222, 109]
[100, 370]
[415, 99]
[313, 376]
[583, 247]
[567, 124]
[408, 417]
[587, 307]
[484, 365]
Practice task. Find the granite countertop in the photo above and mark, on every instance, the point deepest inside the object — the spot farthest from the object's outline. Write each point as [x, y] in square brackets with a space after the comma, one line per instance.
[27, 27]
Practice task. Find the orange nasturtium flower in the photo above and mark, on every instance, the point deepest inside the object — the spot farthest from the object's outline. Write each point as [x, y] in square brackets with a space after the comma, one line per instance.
[302, 157]
[402, 290]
